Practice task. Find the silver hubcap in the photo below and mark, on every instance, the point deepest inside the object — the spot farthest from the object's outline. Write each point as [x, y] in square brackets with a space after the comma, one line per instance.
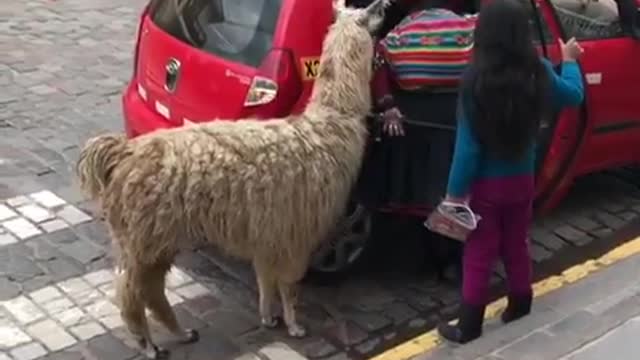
[347, 244]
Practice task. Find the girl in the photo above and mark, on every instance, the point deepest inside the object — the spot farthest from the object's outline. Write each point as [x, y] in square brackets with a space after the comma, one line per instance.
[503, 98]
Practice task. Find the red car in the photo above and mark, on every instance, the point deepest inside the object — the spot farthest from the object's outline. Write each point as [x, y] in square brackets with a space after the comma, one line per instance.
[202, 60]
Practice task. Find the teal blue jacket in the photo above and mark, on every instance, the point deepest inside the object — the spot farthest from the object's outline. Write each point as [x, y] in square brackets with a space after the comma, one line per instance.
[471, 162]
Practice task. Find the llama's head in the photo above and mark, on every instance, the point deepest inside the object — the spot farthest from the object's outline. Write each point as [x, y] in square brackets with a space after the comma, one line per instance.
[347, 57]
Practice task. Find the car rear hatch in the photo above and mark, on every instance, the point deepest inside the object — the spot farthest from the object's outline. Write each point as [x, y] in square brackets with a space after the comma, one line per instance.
[201, 60]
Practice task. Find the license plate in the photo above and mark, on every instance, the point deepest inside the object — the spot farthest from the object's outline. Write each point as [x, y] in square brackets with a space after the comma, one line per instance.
[162, 110]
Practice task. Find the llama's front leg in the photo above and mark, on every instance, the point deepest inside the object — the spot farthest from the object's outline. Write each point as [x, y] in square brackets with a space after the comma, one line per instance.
[289, 298]
[266, 290]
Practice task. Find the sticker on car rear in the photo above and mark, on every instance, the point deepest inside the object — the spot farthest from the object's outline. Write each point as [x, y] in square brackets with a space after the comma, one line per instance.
[310, 67]
[162, 109]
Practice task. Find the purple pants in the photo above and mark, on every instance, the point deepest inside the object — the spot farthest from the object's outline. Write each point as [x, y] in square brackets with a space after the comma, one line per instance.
[506, 207]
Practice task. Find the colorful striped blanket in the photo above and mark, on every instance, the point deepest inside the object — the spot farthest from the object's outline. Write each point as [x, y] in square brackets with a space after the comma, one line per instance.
[429, 49]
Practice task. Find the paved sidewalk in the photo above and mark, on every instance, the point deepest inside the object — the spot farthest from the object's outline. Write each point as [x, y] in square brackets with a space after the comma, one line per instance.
[595, 318]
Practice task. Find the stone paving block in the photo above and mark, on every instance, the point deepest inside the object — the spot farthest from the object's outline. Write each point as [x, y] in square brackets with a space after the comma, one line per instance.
[573, 235]
[28, 352]
[62, 268]
[369, 322]
[45, 295]
[347, 333]
[583, 223]
[51, 335]
[57, 306]
[609, 220]
[53, 225]
[202, 305]
[99, 277]
[177, 278]
[88, 330]
[73, 215]
[101, 309]
[107, 347]
[400, 313]
[11, 335]
[7, 239]
[8, 289]
[313, 347]
[280, 351]
[231, 322]
[368, 346]
[192, 291]
[47, 199]
[112, 321]
[538, 253]
[18, 200]
[23, 309]
[108, 289]
[74, 286]
[21, 228]
[35, 213]
[6, 213]
[63, 236]
[71, 317]
[548, 240]
[82, 251]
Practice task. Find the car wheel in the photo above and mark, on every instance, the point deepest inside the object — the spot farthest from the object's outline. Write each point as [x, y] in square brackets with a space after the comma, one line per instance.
[348, 244]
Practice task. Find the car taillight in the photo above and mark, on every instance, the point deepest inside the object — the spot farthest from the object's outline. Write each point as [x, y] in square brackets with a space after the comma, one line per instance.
[274, 84]
[145, 11]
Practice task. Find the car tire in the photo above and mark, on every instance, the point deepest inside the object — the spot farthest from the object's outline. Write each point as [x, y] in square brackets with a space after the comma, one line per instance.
[347, 247]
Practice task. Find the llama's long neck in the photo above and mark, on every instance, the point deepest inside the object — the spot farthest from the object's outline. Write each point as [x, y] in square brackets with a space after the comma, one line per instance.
[343, 91]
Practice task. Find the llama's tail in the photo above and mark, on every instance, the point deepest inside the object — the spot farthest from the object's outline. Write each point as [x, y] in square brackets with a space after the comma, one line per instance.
[98, 158]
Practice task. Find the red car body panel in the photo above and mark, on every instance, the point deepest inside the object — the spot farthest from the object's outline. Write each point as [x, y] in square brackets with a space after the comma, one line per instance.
[602, 134]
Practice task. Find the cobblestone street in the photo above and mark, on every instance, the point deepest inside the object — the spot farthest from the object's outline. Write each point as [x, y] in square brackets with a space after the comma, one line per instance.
[63, 65]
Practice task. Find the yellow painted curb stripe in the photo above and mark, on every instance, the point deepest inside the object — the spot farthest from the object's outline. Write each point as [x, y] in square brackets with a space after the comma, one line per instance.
[430, 340]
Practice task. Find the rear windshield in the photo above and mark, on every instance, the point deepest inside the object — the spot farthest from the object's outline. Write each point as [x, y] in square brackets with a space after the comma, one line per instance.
[237, 30]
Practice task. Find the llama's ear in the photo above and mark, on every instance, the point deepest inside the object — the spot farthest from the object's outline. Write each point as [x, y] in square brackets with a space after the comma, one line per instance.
[373, 15]
[338, 6]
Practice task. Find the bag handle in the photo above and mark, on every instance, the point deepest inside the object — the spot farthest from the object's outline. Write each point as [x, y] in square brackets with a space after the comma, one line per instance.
[465, 205]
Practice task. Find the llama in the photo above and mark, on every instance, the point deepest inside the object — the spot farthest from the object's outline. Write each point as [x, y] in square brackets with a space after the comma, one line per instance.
[268, 192]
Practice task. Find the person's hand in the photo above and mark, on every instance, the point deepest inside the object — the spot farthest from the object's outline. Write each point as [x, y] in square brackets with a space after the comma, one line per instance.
[571, 50]
[392, 124]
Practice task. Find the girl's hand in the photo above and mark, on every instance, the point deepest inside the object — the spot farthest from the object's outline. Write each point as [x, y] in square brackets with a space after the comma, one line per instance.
[392, 125]
[571, 50]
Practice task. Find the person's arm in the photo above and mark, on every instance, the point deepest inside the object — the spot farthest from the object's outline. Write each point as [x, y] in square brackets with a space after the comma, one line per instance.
[381, 82]
[567, 89]
[466, 157]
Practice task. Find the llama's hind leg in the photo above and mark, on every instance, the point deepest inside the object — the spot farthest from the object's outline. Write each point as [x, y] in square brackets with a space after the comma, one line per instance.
[266, 292]
[157, 303]
[288, 296]
[130, 289]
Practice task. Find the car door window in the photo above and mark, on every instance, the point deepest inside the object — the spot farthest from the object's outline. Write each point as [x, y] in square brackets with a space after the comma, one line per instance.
[589, 19]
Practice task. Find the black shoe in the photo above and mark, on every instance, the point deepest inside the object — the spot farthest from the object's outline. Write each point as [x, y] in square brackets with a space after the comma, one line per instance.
[517, 307]
[469, 325]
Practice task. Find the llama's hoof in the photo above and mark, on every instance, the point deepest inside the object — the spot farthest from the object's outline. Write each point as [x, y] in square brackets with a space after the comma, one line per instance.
[270, 322]
[297, 331]
[157, 353]
[191, 336]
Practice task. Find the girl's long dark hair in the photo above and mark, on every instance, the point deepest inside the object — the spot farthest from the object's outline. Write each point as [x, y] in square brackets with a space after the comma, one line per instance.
[506, 85]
